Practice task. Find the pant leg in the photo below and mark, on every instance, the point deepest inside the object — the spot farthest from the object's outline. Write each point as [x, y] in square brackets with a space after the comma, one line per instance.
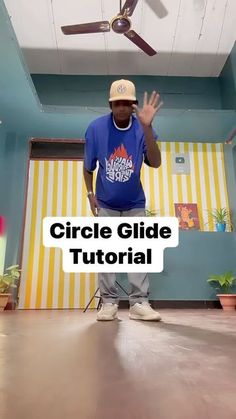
[107, 280]
[139, 287]
[139, 282]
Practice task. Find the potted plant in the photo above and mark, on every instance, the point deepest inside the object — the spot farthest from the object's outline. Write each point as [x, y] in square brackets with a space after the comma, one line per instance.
[8, 281]
[225, 282]
[221, 218]
[150, 212]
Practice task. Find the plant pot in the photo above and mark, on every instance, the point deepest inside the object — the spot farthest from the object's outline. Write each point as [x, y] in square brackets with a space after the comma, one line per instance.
[3, 301]
[11, 304]
[228, 301]
[220, 226]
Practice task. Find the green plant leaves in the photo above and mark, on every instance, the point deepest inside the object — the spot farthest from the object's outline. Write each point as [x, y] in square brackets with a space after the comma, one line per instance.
[150, 213]
[225, 280]
[220, 215]
[9, 279]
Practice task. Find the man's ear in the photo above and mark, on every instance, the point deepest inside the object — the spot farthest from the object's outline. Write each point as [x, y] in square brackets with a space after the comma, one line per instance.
[135, 102]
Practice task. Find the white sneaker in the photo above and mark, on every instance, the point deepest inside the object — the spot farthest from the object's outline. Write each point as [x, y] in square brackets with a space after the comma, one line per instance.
[108, 312]
[143, 311]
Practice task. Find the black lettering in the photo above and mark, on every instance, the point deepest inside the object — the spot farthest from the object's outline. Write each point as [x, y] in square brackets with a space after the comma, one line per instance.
[87, 235]
[152, 232]
[111, 257]
[53, 232]
[139, 230]
[96, 231]
[121, 256]
[139, 258]
[130, 255]
[149, 256]
[124, 230]
[74, 233]
[165, 232]
[100, 254]
[68, 230]
[75, 255]
[87, 259]
[105, 232]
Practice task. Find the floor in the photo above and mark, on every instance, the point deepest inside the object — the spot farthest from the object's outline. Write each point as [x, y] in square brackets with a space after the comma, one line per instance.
[64, 364]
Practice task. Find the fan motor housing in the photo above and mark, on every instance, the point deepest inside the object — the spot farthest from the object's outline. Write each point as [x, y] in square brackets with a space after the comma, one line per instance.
[120, 24]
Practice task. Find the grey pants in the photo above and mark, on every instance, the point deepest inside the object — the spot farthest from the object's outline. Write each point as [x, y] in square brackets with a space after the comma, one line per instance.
[139, 282]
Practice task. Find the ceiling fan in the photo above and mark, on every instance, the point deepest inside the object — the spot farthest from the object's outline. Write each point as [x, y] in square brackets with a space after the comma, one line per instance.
[120, 24]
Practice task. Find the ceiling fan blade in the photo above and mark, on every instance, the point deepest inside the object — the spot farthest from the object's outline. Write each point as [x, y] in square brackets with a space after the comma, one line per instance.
[129, 7]
[137, 40]
[92, 27]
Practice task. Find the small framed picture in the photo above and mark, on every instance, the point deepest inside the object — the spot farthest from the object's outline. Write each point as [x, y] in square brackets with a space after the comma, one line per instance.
[187, 215]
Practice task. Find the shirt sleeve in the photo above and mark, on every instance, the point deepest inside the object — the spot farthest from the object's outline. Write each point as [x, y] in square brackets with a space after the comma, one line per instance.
[90, 150]
[155, 137]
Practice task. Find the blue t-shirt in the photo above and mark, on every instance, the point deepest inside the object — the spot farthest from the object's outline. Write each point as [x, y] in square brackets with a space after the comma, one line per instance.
[120, 154]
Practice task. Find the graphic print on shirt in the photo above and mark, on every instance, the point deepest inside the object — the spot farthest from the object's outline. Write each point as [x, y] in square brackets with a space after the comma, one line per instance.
[119, 166]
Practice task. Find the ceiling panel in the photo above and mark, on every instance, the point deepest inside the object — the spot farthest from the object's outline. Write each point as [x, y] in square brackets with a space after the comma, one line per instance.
[78, 53]
[192, 37]
[159, 32]
[77, 12]
[33, 24]
[35, 33]
[186, 34]
[209, 38]
[227, 36]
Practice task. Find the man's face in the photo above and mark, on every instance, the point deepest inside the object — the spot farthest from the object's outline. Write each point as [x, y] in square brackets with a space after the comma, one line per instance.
[122, 109]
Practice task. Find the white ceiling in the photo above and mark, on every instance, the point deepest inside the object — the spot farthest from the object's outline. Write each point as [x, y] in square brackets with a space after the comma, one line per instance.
[193, 39]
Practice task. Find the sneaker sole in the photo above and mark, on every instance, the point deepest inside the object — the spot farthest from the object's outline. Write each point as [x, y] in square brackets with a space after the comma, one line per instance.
[145, 318]
[106, 319]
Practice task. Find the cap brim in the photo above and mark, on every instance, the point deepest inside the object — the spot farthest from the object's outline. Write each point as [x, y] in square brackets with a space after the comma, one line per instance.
[114, 99]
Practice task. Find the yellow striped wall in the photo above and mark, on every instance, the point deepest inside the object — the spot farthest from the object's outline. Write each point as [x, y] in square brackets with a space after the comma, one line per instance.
[56, 188]
[205, 185]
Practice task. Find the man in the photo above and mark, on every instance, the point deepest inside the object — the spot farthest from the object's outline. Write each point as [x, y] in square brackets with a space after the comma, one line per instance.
[112, 139]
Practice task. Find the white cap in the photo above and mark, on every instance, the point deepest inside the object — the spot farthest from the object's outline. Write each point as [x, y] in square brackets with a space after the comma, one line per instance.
[122, 90]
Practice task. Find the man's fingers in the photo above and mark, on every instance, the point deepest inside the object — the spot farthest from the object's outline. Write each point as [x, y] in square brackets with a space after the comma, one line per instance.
[159, 106]
[145, 98]
[153, 103]
[94, 205]
[152, 98]
[156, 100]
[95, 211]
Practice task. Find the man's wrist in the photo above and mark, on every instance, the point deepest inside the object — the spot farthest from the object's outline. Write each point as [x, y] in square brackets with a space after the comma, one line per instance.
[147, 126]
[89, 193]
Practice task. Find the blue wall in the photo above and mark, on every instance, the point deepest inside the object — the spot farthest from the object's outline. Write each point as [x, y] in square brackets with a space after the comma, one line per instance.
[92, 91]
[228, 82]
[195, 110]
[13, 170]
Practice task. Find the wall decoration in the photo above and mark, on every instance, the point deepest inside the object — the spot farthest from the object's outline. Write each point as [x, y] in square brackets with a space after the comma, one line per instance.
[187, 215]
[180, 164]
